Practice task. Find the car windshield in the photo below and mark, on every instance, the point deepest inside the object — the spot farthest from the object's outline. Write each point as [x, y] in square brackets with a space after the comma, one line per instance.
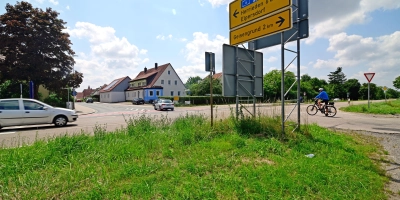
[167, 101]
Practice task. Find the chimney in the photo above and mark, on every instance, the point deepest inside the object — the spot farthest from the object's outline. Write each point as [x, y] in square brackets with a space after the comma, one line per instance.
[145, 69]
[155, 66]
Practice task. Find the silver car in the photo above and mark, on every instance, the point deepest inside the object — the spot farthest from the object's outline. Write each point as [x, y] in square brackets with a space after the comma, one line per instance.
[164, 104]
[20, 111]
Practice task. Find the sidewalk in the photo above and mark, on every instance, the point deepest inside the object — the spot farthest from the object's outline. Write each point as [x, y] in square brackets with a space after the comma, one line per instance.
[83, 110]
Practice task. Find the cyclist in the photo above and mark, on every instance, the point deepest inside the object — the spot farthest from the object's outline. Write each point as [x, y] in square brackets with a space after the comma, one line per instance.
[323, 96]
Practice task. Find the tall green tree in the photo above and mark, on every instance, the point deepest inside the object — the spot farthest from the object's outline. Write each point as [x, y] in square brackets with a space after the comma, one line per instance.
[396, 83]
[36, 48]
[336, 80]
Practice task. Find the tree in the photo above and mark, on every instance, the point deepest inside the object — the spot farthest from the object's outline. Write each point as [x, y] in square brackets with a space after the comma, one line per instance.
[364, 91]
[352, 86]
[272, 85]
[391, 93]
[305, 78]
[336, 81]
[203, 87]
[192, 80]
[396, 83]
[36, 48]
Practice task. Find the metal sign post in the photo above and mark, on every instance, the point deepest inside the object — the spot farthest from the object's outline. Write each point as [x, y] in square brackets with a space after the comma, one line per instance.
[369, 77]
[210, 66]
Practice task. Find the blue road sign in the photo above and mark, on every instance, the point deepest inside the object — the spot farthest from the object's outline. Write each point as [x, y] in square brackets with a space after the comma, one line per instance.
[247, 2]
[74, 93]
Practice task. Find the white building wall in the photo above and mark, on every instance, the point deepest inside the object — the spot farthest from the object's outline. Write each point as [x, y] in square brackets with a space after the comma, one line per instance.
[172, 77]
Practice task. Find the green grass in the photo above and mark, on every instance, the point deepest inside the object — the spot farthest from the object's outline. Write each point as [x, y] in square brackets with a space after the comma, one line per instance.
[188, 159]
[391, 107]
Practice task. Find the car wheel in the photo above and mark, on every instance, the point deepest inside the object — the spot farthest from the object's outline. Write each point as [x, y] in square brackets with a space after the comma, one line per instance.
[60, 121]
[172, 109]
[155, 108]
[159, 108]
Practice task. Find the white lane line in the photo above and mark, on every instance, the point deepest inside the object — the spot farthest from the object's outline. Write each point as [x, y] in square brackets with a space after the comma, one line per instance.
[5, 133]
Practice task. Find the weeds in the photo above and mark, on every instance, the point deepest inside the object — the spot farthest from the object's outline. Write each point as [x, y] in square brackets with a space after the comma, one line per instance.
[159, 158]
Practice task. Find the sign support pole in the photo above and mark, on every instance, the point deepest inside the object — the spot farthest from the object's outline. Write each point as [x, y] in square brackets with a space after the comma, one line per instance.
[283, 82]
[211, 89]
[368, 94]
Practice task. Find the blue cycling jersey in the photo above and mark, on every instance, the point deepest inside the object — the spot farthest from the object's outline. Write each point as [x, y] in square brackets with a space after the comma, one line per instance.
[322, 95]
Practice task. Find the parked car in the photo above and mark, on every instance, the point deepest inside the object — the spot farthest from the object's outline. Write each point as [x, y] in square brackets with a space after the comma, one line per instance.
[89, 100]
[20, 111]
[137, 101]
[164, 104]
[336, 99]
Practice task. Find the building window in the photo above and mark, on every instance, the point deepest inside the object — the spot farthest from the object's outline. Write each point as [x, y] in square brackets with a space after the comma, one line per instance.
[128, 94]
[151, 93]
[158, 92]
[108, 95]
[162, 82]
[179, 93]
[176, 82]
[169, 82]
[172, 93]
[169, 72]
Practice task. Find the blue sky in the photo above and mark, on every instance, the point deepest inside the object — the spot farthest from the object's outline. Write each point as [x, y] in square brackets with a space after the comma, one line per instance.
[119, 38]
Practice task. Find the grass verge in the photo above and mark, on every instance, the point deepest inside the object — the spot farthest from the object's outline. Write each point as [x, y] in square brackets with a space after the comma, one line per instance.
[187, 159]
[390, 107]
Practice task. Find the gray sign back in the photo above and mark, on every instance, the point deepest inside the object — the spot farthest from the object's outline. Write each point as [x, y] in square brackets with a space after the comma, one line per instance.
[241, 78]
[300, 24]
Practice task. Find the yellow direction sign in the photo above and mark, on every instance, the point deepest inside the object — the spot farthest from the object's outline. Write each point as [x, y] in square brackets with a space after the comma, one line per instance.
[384, 88]
[273, 24]
[244, 11]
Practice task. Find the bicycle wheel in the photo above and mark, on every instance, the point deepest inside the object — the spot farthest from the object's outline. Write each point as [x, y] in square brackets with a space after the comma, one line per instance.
[331, 111]
[312, 109]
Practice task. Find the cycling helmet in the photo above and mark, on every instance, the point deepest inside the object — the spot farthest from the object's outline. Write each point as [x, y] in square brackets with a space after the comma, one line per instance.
[320, 89]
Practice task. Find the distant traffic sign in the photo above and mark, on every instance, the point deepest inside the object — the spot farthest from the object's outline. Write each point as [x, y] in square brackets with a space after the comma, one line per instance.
[246, 11]
[276, 23]
[369, 76]
[384, 88]
[74, 93]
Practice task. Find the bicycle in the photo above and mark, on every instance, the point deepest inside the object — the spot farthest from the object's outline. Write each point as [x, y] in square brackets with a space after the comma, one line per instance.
[313, 109]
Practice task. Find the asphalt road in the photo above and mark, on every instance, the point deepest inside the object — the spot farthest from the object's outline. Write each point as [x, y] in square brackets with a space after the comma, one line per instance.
[113, 116]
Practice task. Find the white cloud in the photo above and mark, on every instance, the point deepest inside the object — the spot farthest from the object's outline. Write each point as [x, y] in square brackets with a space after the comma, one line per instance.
[173, 11]
[162, 37]
[53, 2]
[110, 57]
[328, 18]
[216, 3]
[67, 8]
[379, 54]
[194, 53]
[143, 51]
[272, 59]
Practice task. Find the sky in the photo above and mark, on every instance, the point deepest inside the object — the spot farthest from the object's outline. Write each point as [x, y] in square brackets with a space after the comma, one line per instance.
[114, 39]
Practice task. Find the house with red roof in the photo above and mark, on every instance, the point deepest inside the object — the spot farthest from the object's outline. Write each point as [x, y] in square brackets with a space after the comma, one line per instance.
[115, 91]
[149, 84]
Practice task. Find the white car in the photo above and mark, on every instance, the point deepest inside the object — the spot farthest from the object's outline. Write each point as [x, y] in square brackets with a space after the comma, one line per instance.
[20, 111]
[164, 104]
[336, 99]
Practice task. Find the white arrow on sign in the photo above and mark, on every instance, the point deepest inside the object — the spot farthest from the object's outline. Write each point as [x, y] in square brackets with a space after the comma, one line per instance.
[369, 76]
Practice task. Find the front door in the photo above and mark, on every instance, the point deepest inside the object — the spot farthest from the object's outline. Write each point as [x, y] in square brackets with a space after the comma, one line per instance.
[34, 113]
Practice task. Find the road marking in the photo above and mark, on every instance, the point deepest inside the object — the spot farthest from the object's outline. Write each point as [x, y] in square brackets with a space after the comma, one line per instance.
[5, 133]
